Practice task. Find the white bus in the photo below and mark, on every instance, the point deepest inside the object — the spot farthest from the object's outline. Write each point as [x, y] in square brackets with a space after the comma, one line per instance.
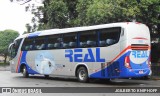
[116, 50]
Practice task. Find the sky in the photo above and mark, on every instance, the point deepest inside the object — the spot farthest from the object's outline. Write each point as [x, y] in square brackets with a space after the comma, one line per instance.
[13, 16]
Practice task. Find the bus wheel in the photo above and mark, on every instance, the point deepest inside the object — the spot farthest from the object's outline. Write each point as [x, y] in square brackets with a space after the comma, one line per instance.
[82, 74]
[46, 76]
[24, 72]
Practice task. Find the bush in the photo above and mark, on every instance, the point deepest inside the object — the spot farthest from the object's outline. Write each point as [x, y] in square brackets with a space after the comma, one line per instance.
[4, 64]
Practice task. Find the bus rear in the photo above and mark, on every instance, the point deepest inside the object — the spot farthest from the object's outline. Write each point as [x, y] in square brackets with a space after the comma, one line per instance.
[136, 59]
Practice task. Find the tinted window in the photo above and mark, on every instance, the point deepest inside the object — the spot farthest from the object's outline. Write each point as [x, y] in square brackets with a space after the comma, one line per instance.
[28, 44]
[91, 38]
[69, 40]
[54, 42]
[88, 39]
[39, 43]
[109, 36]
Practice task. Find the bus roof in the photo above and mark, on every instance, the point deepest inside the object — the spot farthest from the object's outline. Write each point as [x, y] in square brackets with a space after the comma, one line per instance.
[76, 29]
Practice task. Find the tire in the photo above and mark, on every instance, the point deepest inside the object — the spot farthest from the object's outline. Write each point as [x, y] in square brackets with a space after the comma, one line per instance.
[82, 75]
[25, 72]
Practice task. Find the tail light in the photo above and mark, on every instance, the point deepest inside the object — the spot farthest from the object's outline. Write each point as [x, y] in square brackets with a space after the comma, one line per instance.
[127, 62]
[139, 46]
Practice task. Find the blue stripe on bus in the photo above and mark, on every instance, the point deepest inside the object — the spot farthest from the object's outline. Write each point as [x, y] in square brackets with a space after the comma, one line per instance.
[118, 70]
[35, 34]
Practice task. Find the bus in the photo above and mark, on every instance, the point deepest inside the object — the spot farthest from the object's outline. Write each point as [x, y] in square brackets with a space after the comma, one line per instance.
[106, 51]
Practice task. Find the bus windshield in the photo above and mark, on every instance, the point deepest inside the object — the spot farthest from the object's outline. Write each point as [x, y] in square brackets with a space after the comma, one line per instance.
[13, 48]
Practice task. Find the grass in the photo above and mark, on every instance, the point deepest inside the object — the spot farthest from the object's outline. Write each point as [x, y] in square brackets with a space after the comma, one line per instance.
[4, 64]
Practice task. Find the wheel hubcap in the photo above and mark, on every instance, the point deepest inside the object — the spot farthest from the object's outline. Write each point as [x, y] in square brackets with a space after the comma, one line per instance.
[24, 70]
[82, 75]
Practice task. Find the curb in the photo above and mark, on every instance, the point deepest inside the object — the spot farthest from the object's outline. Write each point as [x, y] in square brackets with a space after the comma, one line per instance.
[155, 78]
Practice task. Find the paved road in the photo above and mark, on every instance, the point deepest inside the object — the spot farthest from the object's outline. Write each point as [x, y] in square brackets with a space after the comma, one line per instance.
[8, 79]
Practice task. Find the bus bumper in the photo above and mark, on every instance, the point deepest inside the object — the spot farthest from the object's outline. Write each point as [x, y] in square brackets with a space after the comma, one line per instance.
[136, 73]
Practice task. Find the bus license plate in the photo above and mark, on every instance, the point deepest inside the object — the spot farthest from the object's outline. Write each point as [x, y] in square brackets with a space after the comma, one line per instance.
[141, 72]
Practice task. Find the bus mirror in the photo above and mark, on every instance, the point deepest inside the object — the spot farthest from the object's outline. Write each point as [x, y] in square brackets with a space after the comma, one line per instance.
[9, 48]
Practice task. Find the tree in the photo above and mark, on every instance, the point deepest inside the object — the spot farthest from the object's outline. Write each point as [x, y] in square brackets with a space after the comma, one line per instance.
[109, 11]
[100, 11]
[22, 2]
[57, 13]
[6, 37]
[69, 13]
[82, 7]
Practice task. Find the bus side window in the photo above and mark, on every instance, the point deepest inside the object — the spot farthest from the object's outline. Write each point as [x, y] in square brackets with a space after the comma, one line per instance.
[88, 39]
[109, 36]
[54, 42]
[70, 40]
[27, 44]
[39, 43]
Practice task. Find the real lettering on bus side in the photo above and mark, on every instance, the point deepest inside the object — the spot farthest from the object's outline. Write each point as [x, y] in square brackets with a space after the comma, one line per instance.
[76, 55]
[140, 54]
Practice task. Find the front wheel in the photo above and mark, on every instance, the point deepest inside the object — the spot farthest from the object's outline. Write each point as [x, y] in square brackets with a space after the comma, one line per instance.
[25, 72]
[82, 75]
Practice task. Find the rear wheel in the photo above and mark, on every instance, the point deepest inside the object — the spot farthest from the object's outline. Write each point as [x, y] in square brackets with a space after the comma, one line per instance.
[25, 72]
[82, 74]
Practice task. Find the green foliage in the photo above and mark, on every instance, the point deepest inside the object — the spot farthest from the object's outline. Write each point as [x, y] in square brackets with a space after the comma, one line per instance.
[82, 7]
[149, 12]
[4, 64]
[99, 12]
[69, 13]
[62, 13]
[57, 14]
[6, 37]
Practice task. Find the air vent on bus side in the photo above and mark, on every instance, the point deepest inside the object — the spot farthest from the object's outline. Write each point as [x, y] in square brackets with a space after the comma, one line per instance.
[139, 47]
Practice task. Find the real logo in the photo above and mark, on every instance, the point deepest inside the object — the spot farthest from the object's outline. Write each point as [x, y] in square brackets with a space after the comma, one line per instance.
[77, 55]
[140, 54]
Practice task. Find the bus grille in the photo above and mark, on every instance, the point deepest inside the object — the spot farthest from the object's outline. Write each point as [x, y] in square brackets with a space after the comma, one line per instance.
[139, 47]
